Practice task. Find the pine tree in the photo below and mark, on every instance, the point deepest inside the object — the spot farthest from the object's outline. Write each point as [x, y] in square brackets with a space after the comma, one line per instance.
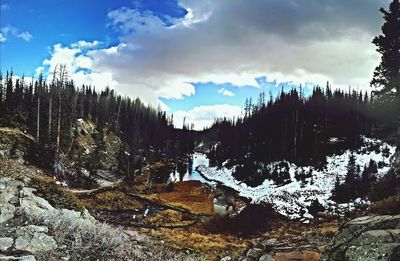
[387, 74]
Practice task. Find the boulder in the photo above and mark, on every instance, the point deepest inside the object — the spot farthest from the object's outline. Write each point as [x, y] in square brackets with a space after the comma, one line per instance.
[266, 257]
[34, 239]
[6, 212]
[366, 238]
[254, 253]
[20, 258]
[6, 243]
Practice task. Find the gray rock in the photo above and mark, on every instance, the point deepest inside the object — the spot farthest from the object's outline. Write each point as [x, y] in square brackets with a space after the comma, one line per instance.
[34, 239]
[266, 257]
[227, 258]
[39, 242]
[26, 192]
[269, 243]
[6, 243]
[5, 197]
[21, 243]
[366, 238]
[6, 212]
[30, 230]
[254, 253]
[20, 258]
[27, 258]
[384, 252]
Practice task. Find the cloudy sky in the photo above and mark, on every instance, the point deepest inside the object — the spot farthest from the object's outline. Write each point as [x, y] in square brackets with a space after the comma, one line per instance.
[198, 59]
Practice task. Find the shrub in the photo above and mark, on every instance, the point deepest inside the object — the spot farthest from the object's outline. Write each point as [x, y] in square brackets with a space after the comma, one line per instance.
[57, 195]
[388, 206]
[255, 218]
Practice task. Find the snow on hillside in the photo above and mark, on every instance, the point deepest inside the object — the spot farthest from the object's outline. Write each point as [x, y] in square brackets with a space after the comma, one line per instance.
[293, 199]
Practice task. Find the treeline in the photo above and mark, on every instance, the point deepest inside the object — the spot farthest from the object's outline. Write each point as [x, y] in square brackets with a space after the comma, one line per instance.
[293, 127]
[49, 111]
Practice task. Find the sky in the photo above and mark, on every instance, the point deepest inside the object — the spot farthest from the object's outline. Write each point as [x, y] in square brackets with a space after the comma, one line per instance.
[199, 60]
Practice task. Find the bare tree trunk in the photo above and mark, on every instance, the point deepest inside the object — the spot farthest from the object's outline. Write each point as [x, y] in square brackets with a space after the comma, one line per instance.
[58, 128]
[38, 118]
[117, 121]
[295, 123]
[50, 116]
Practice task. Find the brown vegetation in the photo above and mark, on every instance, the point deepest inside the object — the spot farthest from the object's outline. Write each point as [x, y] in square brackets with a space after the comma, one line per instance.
[191, 196]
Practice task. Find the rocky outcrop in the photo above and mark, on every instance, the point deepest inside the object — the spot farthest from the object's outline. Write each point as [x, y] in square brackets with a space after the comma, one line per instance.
[366, 238]
[32, 229]
[14, 144]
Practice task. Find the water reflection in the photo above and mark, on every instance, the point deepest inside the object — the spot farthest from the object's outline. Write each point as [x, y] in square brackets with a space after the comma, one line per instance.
[186, 169]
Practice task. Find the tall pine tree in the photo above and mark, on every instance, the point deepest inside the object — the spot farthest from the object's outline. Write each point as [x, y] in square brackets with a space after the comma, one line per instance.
[387, 73]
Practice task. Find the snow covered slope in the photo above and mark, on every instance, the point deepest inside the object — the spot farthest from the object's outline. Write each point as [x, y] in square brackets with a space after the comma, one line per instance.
[293, 198]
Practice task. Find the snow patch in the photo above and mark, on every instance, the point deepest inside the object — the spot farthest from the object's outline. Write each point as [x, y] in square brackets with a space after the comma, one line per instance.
[294, 198]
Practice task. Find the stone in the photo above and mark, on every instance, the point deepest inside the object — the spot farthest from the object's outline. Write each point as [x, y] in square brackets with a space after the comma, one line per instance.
[39, 242]
[366, 238]
[5, 197]
[227, 258]
[383, 252]
[30, 230]
[6, 212]
[269, 243]
[254, 252]
[266, 257]
[6, 243]
[20, 258]
[34, 239]
[26, 192]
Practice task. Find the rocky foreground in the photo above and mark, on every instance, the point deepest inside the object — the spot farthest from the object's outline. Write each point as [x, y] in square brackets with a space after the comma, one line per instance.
[32, 229]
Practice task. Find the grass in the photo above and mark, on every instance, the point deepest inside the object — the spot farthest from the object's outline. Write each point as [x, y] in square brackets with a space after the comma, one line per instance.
[191, 196]
[57, 195]
[110, 201]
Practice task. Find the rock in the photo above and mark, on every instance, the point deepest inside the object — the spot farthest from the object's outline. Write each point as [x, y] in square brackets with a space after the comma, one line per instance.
[6, 243]
[366, 238]
[254, 253]
[30, 230]
[34, 239]
[385, 251]
[6, 212]
[26, 192]
[266, 257]
[20, 258]
[227, 258]
[269, 243]
[255, 242]
[5, 197]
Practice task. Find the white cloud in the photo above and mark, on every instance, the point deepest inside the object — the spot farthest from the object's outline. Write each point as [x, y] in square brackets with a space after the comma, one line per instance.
[86, 45]
[225, 92]
[26, 36]
[13, 31]
[2, 38]
[204, 116]
[231, 42]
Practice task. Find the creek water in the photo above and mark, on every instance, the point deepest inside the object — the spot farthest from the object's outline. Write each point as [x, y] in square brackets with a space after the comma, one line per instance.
[197, 159]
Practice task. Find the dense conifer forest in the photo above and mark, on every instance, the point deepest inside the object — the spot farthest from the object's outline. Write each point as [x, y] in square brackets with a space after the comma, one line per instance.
[49, 112]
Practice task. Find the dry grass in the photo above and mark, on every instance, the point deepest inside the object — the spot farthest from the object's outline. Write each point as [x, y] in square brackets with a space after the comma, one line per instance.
[209, 245]
[111, 201]
[192, 196]
[169, 218]
[57, 195]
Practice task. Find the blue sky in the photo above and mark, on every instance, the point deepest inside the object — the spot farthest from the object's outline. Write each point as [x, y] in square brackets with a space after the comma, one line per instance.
[198, 59]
